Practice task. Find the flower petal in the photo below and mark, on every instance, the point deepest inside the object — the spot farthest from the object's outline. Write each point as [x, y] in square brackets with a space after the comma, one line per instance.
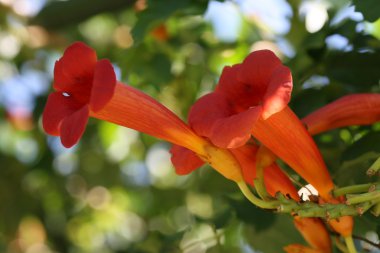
[257, 70]
[103, 85]
[56, 109]
[206, 111]
[278, 93]
[184, 160]
[315, 233]
[234, 131]
[73, 126]
[242, 94]
[298, 248]
[356, 109]
[212, 117]
[78, 62]
[285, 135]
[275, 180]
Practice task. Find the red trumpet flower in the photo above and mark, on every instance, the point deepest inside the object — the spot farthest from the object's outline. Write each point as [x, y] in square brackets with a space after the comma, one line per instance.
[251, 99]
[85, 86]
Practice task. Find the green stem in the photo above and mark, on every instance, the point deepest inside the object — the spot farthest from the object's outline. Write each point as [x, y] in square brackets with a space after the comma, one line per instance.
[351, 189]
[340, 245]
[375, 167]
[255, 200]
[376, 210]
[259, 183]
[360, 198]
[350, 244]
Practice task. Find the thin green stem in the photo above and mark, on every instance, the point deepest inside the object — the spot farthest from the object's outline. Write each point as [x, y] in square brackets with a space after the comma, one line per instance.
[360, 198]
[375, 167]
[360, 188]
[259, 183]
[350, 244]
[255, 200]
[340, 245]
[376, 210]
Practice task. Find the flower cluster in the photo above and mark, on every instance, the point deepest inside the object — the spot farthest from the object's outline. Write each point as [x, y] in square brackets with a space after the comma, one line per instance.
[249, 106]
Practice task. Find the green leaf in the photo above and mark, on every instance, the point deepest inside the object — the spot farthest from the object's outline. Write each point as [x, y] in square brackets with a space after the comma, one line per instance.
[369, 8]
[58, 14]
[360, 69]
[156, 13]
[250, 214]
[369, 143]
[272, 240]
[357, 159]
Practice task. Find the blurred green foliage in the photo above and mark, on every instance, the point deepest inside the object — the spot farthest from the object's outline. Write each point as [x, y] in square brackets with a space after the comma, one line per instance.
[116, 191]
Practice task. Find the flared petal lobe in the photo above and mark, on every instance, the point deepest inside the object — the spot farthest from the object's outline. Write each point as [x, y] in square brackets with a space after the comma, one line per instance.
[356, 109]
[103, 85]
[278, 92]
[57, 108]
[242, 94]
[212, 117]
[73, 126]
[78, 62]
[184, 160]
[257, 70]
[284, 134]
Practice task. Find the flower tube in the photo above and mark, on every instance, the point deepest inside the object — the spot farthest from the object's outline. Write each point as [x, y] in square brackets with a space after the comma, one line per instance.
[85, 86]
[354, 109]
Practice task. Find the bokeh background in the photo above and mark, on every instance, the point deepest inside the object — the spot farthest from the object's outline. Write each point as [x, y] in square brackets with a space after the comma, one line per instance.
[116, 191]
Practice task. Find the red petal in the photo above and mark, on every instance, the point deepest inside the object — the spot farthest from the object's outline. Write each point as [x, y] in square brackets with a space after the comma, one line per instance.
[357, 109]
[242, 94]
[257, 70]
[77, 63]
[206, 111]
[278, 93]
[284, 134]
[211, 116]
[56, 109]
[73, 126]
[234, 131]
[184, 160]
[103, 85]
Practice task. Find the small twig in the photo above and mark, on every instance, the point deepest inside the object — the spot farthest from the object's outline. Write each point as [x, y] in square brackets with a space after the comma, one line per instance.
[377, 245]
